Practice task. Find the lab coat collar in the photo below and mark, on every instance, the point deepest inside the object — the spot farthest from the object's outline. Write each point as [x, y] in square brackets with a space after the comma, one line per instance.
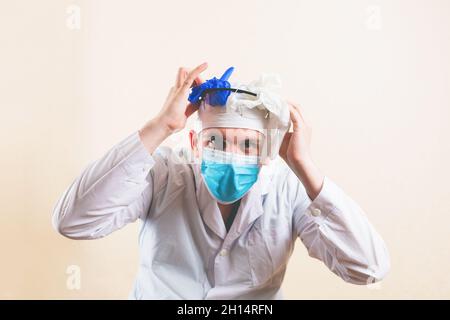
[249, 210]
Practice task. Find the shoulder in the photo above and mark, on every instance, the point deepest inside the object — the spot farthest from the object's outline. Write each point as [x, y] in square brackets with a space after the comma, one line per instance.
[172, 166]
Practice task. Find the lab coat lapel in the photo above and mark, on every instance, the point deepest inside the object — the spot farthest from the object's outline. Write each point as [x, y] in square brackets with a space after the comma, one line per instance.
[251, 207]
[249, 210]
[208, 205]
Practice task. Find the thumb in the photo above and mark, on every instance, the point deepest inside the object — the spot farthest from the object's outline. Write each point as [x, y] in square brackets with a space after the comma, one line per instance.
[285, 144]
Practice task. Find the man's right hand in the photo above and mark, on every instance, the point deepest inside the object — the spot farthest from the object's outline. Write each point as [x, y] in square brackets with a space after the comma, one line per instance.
[176, 109]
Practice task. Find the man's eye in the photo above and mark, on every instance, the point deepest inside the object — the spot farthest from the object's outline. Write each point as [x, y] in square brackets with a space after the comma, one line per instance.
[249, 144]
[216, 143]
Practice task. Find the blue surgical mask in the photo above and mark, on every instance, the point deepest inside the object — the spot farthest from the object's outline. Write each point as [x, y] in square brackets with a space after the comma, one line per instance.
[228, 176]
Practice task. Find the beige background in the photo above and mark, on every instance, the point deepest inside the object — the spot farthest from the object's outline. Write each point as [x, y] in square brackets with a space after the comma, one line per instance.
[373, 77]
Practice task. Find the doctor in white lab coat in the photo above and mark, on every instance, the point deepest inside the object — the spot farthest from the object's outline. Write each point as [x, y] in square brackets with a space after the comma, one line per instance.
[194, 247]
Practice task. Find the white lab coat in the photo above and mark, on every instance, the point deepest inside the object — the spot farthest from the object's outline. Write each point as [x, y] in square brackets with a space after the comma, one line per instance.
[185, 250]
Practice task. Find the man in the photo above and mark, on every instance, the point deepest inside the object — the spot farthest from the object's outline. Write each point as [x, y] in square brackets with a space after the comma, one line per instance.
[222, 226]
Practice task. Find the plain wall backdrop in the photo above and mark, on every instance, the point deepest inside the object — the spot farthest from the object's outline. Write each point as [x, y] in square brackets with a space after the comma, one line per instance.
[373, 77]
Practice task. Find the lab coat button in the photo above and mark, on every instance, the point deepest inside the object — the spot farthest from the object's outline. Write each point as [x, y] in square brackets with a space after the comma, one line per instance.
[316, 212]
[223, 252]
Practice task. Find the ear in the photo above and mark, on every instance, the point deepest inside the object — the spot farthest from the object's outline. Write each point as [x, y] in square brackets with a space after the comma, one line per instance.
[193, 139]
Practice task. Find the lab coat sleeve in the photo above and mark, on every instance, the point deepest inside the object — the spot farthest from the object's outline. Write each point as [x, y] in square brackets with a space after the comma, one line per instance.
[336, 231]
[110, 193]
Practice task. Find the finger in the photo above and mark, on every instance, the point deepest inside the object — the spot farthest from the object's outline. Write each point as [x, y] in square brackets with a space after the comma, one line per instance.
[296, 108]
[300, 111]
[193, 75]
[190, 109]
[286, 138]
[296, 119]
[198, 81]
[171, 92]
[181, 76]
[285, 144]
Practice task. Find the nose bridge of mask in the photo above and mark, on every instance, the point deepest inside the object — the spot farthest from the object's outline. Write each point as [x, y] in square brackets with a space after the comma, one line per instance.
[219, 156]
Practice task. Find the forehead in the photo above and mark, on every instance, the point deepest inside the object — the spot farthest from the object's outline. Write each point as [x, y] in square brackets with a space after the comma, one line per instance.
[233, 132]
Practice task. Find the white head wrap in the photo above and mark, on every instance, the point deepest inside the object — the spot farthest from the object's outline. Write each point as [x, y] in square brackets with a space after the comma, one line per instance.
[267, 112]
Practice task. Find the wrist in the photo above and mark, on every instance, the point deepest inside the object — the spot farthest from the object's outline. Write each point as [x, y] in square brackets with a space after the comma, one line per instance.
[304, 163]
[310, 176]
[153, 133]
[301, 164]
[165, 124]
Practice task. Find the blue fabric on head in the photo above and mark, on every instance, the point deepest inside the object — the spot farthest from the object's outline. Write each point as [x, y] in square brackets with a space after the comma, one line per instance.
[216, 98]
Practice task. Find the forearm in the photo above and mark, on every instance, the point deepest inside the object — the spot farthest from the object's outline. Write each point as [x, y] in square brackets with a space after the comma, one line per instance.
[153, 133]
[309, 175]
[335, 230]
[112, 189]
